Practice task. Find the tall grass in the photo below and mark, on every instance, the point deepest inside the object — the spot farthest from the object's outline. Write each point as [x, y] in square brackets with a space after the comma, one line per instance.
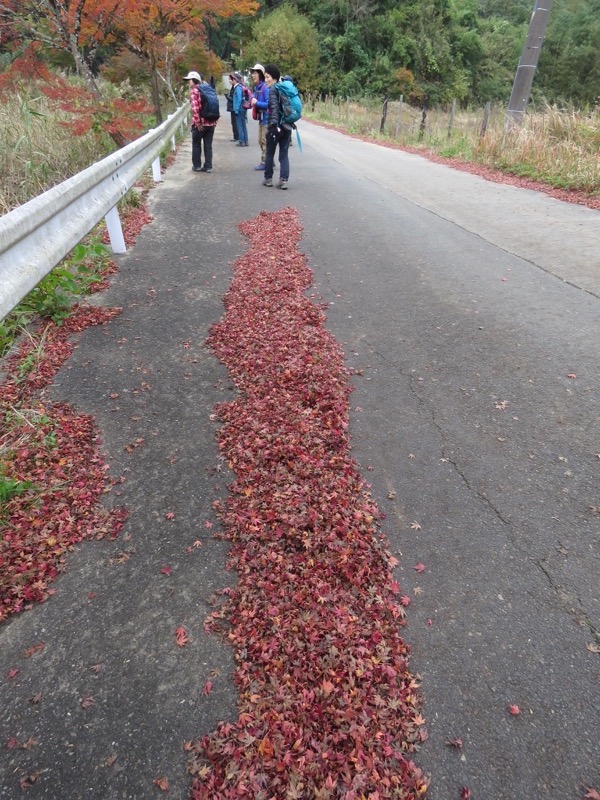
[555, 146]
[37, 151]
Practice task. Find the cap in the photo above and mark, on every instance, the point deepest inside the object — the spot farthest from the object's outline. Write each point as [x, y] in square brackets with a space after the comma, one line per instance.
[236, 77]
[258, 68]
[195, 75]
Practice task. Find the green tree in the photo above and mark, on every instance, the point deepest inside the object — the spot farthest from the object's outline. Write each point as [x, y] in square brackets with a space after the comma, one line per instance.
[286, 38]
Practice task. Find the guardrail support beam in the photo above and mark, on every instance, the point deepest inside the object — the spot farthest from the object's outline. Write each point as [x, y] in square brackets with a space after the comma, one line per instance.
[115, 231]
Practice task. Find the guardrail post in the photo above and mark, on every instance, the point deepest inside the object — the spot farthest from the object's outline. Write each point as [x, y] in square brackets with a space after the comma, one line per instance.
[115, 231]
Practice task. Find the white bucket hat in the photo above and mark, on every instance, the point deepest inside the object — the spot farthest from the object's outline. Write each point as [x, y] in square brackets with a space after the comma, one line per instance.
[194, 75]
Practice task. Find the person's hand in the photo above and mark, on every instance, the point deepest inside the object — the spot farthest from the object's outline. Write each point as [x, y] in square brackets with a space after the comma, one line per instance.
[254, 101]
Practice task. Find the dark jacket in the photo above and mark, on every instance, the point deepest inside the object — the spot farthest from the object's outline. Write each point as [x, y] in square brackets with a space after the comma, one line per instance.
[274, 111]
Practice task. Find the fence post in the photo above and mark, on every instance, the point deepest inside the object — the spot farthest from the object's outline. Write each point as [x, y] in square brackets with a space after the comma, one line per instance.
[451, 120]
[398, 122]
[115, 231]
[486, 119]
[423, 121]
[347, 111]
[383, 113]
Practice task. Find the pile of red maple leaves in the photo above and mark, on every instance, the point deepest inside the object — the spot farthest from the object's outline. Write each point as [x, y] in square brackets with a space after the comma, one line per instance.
[52, 453]
[328, 708]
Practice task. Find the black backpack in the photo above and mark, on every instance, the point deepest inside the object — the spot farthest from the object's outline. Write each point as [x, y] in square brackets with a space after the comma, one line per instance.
[209, 108]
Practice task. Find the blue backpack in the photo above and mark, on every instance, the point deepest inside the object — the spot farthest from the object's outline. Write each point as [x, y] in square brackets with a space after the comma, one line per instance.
[291, 104]
[209, 102]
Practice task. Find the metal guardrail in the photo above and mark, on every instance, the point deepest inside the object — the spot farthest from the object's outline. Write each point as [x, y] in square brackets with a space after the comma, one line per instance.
[36, 236]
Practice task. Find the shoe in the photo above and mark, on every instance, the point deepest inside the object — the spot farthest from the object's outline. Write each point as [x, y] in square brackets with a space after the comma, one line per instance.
[267, 182]
[233, 140]
[196, 169]
[259, 167]
[282, 185]
[241, 144]
[206, 169]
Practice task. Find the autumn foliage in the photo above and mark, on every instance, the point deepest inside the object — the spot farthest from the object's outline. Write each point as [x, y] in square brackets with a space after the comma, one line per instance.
[52, 454]
[328, 707]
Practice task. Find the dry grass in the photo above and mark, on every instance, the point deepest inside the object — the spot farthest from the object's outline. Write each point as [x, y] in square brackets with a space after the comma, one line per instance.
[558, 147]
[38, 152]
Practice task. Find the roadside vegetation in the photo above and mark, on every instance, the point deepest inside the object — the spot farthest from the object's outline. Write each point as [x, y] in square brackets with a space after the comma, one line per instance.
[558, 147]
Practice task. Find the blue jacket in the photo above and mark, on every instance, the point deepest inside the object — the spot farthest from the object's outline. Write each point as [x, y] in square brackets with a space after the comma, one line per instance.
[237, 99]
[261, 92]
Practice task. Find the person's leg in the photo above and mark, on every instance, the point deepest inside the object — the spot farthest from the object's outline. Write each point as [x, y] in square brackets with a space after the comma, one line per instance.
[242, 128]
[196, 148]
[284, 161]
[234, 128]
[270, 158]
[262, 141]
[209, 132]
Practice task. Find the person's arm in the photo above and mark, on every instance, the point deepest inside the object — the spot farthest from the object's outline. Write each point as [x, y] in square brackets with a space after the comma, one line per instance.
[273, 110]
[262, 98]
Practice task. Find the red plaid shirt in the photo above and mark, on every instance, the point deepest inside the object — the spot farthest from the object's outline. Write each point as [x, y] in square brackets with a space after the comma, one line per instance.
[196, 102]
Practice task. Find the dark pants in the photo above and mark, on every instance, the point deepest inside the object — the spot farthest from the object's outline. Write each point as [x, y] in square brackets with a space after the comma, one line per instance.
[234, 128]
[205, 135]
[273, 140]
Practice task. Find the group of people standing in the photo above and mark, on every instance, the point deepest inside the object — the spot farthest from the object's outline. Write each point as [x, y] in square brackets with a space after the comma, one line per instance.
[265, 106]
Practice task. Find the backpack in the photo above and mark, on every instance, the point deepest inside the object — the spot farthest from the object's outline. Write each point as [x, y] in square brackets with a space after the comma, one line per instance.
[246, 97]
[209, 108]
[291, 104]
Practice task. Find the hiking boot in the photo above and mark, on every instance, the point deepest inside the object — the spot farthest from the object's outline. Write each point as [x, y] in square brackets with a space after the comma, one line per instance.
[259, 167]
[268, 182]
[196, 169]
[206, 169]
[282, 185]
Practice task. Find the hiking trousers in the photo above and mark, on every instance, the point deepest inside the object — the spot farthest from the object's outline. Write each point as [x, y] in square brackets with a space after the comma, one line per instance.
[281, 140]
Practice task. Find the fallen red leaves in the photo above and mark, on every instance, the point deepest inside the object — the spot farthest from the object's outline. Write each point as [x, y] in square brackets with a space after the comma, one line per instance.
[52, 454]
[327, 705]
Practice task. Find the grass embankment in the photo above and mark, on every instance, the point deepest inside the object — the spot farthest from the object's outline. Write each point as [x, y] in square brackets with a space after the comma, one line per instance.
[558, 148]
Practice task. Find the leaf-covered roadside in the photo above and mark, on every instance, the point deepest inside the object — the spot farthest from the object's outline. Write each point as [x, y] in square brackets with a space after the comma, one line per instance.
[328, 708]
[51, 472]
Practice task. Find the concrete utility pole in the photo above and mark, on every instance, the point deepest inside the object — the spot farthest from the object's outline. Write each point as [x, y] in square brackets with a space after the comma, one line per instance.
[528, 63]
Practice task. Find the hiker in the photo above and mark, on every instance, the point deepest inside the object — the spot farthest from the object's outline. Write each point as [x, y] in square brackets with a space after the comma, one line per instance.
[229, 98]
[204, 120]
[260, 105]
[239, 110]
[276, 133]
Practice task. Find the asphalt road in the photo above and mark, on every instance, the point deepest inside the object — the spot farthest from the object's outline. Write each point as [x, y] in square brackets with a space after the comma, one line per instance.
[465, 307]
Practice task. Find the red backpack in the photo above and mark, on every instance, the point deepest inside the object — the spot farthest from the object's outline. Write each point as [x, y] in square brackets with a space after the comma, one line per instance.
[246, 97]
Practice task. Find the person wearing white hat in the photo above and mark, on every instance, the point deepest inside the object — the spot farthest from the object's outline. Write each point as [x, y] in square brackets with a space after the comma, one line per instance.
[260, 105]
[205, 114]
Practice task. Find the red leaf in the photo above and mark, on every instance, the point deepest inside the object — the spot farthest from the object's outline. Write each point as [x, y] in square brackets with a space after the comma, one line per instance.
[166, 570]
[591, 794]
[162, 783]
[465, 793]
[170, 515]
[181, 636]
[458, 743]
[207, 688]
[514, 710]
[12, 673]
[419, 567]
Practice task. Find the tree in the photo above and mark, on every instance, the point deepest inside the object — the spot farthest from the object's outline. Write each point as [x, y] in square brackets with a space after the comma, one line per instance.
[286, 38]
[146, 24]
